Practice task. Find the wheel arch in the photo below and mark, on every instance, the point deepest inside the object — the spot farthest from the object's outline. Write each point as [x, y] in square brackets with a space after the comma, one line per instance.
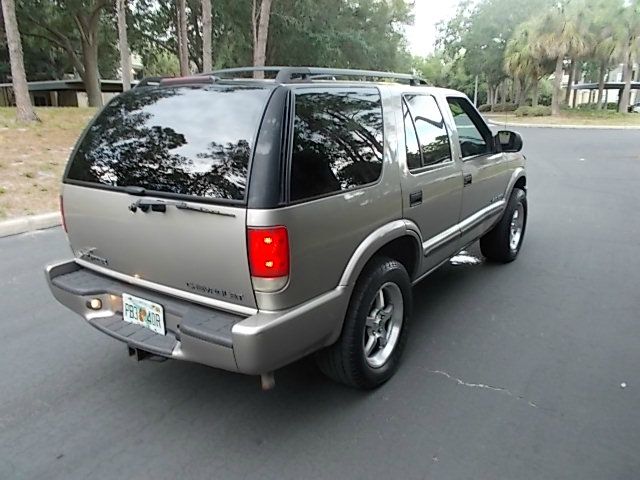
[399, 240]
[518, 180]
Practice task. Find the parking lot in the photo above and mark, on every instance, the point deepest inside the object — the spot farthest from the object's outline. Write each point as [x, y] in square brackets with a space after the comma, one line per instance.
[529, 370]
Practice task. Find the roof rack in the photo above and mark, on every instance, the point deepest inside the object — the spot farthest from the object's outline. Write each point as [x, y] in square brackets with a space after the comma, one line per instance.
[298, 74]
[148, 82]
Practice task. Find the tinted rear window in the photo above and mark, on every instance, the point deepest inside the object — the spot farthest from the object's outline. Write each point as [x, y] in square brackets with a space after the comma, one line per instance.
[183, 140]
[337, 141]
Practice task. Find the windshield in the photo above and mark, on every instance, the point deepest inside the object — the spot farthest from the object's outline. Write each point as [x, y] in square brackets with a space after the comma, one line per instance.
[189, 140]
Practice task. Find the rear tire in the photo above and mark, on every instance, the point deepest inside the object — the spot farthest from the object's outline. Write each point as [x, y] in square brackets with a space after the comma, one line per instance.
[503, 242]
[374, 332]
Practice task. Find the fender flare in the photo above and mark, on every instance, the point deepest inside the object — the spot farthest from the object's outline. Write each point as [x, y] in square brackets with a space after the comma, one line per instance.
[374, 242]
[517, 174]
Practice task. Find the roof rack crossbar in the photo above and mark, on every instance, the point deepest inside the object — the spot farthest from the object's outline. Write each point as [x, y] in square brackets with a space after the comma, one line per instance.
[296, 74]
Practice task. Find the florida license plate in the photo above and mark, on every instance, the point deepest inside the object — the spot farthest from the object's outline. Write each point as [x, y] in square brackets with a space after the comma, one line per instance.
[143, 312]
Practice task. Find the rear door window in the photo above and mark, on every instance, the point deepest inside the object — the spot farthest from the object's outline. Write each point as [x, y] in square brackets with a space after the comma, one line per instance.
[337, 141]
[187, 140]
[423, 114]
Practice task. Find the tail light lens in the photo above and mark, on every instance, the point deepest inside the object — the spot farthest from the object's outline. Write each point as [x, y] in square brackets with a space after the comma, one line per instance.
[268, 257]
[64, 222]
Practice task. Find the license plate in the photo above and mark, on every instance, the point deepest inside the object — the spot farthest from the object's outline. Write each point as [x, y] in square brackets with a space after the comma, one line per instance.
[143, 312]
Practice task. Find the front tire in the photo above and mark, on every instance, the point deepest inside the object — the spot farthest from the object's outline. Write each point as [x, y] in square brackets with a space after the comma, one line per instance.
[374, 333]
[503, 242]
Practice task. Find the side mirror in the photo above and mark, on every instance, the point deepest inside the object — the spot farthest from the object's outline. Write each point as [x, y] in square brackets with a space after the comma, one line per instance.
[509, 141]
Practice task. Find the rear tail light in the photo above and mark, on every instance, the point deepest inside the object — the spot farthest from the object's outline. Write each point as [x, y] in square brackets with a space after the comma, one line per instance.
[64, 222]
[268, 257]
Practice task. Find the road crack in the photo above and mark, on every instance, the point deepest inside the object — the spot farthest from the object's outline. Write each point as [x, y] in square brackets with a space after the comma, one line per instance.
[483, 386]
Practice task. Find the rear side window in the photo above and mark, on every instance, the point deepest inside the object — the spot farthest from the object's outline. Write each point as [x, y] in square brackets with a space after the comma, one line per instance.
[337, 141]
[423, 116]
[187, 140]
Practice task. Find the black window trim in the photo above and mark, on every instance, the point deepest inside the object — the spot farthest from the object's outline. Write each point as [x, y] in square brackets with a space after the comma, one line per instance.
[475, 117]
[434, 166]
[169, 195]
[289, 149]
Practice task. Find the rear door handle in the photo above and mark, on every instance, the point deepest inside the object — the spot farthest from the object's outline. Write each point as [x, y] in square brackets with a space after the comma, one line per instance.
[468, 179]
[415, 198]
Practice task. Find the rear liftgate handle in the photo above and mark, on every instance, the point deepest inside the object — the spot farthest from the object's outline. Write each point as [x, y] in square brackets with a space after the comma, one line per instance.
[468, 179]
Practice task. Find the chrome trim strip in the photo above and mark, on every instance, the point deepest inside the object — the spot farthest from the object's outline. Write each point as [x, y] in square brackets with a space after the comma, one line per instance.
[454, 232]
[481, 215]
[174, 292]
[441, 239]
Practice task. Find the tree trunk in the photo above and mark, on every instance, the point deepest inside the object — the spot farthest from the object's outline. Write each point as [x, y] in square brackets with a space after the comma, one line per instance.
[623, 105]
[206, 36]
[260, 34]
[24, 110]
[576, 79]
[535, 92]
[557, 87]
[572, 69]
[183, 51]
[602, 73]
[123, 45]
[91, 77]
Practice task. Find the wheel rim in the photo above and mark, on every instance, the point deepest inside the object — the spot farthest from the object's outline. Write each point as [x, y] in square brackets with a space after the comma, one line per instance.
[517, 226]
[383, 325]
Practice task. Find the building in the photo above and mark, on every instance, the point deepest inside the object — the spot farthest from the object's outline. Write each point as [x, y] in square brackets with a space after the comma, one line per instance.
[59, 93]
[587, 92]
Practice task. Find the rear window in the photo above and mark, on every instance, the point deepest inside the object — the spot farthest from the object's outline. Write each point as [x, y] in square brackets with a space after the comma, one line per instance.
[184, 140]
[337, 141]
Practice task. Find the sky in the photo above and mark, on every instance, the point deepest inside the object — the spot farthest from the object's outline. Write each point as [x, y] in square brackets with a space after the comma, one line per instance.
[422, 35]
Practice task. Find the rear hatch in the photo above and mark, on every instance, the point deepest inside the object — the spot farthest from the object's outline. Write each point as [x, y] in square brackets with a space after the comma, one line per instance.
[156, 188]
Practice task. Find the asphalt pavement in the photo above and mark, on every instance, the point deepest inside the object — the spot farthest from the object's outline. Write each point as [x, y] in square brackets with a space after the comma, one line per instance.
[511, 372]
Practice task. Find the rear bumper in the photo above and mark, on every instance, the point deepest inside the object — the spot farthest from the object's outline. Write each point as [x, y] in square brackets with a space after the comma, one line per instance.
[255, 344]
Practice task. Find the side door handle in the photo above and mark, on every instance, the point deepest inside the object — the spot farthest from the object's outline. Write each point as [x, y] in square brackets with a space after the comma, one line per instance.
[468, 179]
[415, 198]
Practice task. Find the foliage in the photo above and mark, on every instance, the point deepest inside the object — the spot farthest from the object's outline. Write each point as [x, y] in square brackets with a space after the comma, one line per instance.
[539, 111]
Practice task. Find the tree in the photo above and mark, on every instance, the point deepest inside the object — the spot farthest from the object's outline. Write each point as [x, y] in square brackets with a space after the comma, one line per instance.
[629, 46]
[25, 112]
[206, 36]
[50, 19]
[183, 52]
[260, 28]
[603, 48]
[558, 32]
[123, 44]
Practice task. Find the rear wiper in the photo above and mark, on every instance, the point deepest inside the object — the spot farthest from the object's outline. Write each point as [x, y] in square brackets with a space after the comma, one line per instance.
[161, 206]
[133, 190]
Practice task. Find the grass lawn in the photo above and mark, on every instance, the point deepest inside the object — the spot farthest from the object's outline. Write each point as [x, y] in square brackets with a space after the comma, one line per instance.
[32, 158]
[572, 117]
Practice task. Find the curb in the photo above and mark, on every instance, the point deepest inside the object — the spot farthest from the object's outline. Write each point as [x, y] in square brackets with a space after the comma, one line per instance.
[497, 123]
[29, 223]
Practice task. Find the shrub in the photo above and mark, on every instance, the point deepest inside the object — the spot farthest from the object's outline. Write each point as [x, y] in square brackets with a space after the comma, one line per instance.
[485, 107]
[504, 107]
[539, 111]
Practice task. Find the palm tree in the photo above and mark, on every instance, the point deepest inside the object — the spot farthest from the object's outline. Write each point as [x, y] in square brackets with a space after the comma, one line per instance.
[524, 64]
[628, 45]
[24, 108]
[606, 13]
[562, 30]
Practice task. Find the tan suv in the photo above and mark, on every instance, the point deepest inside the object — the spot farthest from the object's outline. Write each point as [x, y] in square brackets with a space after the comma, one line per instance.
[244, 224]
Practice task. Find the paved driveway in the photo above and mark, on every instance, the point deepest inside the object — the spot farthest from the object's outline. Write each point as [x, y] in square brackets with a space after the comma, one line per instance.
[511, 372]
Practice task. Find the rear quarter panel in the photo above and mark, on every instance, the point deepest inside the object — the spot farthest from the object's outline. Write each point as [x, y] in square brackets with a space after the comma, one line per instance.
[324, 233]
